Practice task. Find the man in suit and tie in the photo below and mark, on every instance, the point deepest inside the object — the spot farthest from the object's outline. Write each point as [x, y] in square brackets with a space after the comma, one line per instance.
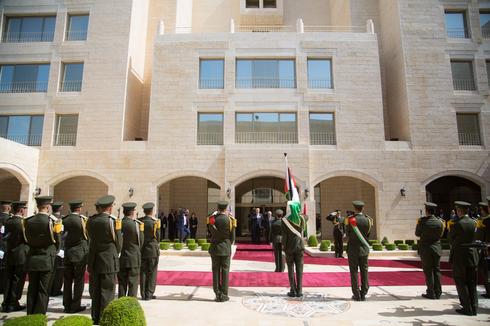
[256, 222]
[183, 225]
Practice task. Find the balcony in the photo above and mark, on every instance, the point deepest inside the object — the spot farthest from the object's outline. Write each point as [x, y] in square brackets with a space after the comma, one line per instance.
[485, 32]
[320, 84]
[66, 140]
[24, 37]
[211, 83]
[322, 138]
[266, 137]
[76, 35]
[265, 83]
[24, 87]
[26, 139]
[464, 85]
[467, 139]
[210, 138]
[458, 33]
[71, 86]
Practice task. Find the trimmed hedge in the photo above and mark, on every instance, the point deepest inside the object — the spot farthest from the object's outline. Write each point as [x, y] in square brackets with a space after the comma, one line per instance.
[125, 311]
[324, 246]
[377, 247]
[403, 246]
[384, 241]
[74, 321]
[164, 245]
[312, 241]
[30, 320]
[398, 242]
[390, 246]
[415, 246]
[189, 241]
[165, 240]
[327, 243]
[178, 246]
[205, 246]
[201, 241]
[373, 242]
[192, 246]
[410, 242]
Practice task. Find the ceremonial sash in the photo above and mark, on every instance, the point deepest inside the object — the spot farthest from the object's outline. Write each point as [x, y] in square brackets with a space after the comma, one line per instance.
[290, 227]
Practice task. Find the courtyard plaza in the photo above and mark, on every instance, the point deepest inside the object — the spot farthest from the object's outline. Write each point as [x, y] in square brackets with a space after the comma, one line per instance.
[185, 296]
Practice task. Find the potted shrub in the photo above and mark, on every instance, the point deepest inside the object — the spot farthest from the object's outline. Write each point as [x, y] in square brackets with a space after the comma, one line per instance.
[312, 241]
[397, 242]
[390, 246]
[205, 246]
[201, 241]
[29, 320]
[384, 241]
[192, 246]
[403, 246]
[125, 311]
[178, 246]
[164, 245]
[74, 321]
[377, 247]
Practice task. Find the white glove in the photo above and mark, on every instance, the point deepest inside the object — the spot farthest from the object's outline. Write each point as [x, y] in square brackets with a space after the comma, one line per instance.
[61, 254]
[1, 254]
[2, 229]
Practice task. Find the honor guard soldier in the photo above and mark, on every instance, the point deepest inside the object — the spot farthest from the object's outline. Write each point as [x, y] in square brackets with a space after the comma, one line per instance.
[221, 226]
[276, 240]
[464, 259]
[42, 234]
[76, 253]
[104, 232]
[56, 282]
[130, 259]
[5, 207]
[358, 228]
[15, 257]
[292, 233]
[483, 234]
[430, 230]
[149, 253]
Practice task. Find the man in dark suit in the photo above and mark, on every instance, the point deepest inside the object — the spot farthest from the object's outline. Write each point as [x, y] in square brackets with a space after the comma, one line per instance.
[76, 254]
[193, 223]
[183, 225]
[266, 225]
[171, 225]
[163, 225]
[15, 257]
[464, 259]
[256, 224]
[276, 240]
[150, 253]
[56, 282]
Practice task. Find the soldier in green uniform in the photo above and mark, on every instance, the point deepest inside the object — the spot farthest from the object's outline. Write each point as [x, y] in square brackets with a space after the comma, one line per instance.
[56, 282]
[221, 226]
[483, 234]
[358, 228]
[276, 240]
[76, 252]
[5, 207]
[105, 243]
[150, 252]
[15, 257]
[430, 230]
[292, 233]
[42, 234]
[130, 260]
[464, 259]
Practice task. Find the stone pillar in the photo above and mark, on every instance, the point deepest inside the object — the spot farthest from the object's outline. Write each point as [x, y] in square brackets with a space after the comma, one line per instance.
[161, 27]
[300, 27]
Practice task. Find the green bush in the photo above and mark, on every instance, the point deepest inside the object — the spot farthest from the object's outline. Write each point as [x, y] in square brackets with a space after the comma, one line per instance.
[384, 241]
[178, 246]
[324, 246]
[312, 241]
[327, 243]
[164, 245]
[397, 242]
[403, 246]
[192, 246]
[205, 246]
[189, 241]
[390, 246]
[30, 320]
[201, 241]
[377, 247]
[74, 321]
[446, 246]
[415, 246]
[410, 242]
[165, 240]
[373, 242]
[125, 311]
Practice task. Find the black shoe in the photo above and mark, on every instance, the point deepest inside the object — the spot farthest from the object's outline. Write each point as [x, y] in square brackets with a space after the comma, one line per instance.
[146, 299]
[19, 308]
[79, 309]
[225, 298]
[428, 296]
[463, 312]
[363, 297]
[438, 296]
[356, 298]
[299, 295]
[291, 294]
[486, 295]
[153, 297]
[7, 309]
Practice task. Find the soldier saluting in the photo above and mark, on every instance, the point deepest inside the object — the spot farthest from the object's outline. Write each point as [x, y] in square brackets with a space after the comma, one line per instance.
[42, 234]
[430, 230]
[150, 253]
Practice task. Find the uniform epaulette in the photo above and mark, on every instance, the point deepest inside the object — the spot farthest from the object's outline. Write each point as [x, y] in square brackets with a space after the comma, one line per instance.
[113, 217]
[153, 218]
[138, 221]
[83, 216]
[53, 218]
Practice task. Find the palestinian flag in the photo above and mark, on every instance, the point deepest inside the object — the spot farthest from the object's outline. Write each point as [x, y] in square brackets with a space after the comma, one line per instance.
[293, 209]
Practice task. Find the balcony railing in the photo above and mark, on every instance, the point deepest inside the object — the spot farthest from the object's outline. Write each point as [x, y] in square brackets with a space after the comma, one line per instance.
[464, 85]
[469, 139]
[485, 32]
[66, 140]
[458, 33]
[71, 86]
[266, 137]
[76, 35]
[30, 140]
[24, 87]
[320, 83]
[265, 29]
[322, 138]
[24, 37]
[211, 83]
[265, 83]
[210, 138]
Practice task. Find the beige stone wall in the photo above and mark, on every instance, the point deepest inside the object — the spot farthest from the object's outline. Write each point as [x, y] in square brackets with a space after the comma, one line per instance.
[10, 187]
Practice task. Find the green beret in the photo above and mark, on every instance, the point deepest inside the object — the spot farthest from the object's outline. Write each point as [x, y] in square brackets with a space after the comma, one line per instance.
[43, 200]
[105, 201]
[75, 204]
[430, 205]
[279, 212]
[5, 202]
[222, 204]
[482, 204]
[129, 205]
[56, 205]
[462, 204]
[358, 203]
[19, 204]
[148, 205]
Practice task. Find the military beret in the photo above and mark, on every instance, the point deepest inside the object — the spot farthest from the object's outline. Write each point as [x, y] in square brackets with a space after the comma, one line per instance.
[222, 204]
[105, 201]
[462, 204]
[56, 205]
[129, 205]
[75, 204]
[430, 205]
[19, 204]
[358, 203]
[43, 200]
[5, 202]
[482, 204]
[148, 205]
[279, 212]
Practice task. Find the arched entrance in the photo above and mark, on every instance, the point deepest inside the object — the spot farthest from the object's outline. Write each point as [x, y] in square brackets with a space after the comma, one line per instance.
[10, 186]
[338, 193]
[85, 188]
[197, 194]
[444, 191]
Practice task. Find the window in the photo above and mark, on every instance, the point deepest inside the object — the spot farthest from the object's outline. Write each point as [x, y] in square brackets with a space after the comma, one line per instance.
[72, 77]
[210, 129]
[211, 73]
[456, 26]
[252, 3]
[29, 29]
[24, 129]
[265, 73]
[77, 28]
[266, 128]
[270, 4]
[25, 78]
[488, 70]
[322, 129]
[462, 72]
[66, 130]
[468, 129]
[485, 23]
[320, 73]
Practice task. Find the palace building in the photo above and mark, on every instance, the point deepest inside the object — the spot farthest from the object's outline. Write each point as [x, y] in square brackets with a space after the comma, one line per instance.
[185, 102]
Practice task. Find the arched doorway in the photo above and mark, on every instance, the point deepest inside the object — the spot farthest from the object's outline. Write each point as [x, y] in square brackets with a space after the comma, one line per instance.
[197, 194]
[10, 186]
[444, 191]
[85, 188]
[338, 193]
